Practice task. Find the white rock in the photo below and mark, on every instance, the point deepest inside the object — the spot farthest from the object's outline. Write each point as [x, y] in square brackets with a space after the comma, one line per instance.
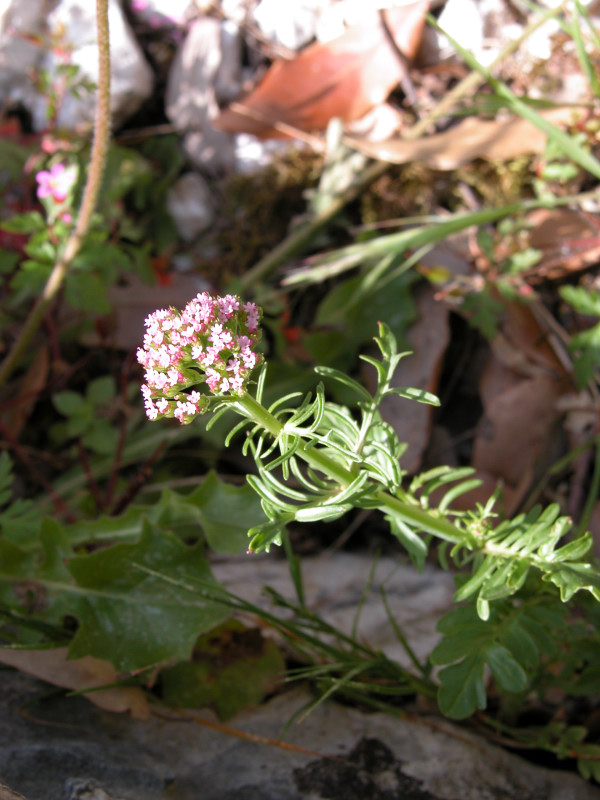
[236, 10]
[190, 203]
[19, 19]
[131, 76]
[484, 28]
[162, 13]
[293, 23]
[461, 19]
[209, 59]
[252, 153]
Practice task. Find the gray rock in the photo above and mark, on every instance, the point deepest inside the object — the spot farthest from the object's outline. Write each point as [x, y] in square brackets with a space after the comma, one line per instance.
[345, 588]
[190, 203]
[206, 69]
[131, 76]
[59, 748]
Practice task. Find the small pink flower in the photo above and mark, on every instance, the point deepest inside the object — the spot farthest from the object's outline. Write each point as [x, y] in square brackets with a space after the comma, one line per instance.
[211, 341]
[55, 183]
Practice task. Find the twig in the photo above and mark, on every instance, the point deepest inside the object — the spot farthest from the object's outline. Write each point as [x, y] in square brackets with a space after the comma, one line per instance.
[135, 486]
[59, 504]
[88, 203]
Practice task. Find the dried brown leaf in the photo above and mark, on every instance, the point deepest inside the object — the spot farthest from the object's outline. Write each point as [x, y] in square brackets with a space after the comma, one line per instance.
[429, 337]
[569, 241]
[496, 140]
[518, 428]
[54, 666]
[523, 345]
[343, 78]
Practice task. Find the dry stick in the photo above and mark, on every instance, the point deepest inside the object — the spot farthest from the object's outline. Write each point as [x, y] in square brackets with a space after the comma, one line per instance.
[88, 203]
[305, 233]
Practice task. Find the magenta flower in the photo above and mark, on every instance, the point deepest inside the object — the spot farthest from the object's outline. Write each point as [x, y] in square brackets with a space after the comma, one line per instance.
[55, 183]
[211, 341]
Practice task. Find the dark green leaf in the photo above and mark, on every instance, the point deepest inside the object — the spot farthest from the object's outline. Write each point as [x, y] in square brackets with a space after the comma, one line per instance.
[233, 667]
[462, 691]
[227, 513]
[508, 673]
[144, 603]
[87, 291]
[68, 403]
[30, 222]
[101, 390]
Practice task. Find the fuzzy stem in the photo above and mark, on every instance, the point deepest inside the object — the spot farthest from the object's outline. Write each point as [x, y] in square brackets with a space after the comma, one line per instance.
[417, 517]
[88, 203]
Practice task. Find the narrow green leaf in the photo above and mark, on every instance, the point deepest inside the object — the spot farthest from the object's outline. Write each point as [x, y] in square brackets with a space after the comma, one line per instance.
[420, 395]
[322, 513]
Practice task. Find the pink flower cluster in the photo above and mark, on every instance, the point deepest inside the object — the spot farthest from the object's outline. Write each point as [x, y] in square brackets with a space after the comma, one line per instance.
[211, 341]
[55, 183]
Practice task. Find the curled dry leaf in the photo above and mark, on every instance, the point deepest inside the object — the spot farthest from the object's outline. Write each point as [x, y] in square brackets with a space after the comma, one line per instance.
[495, 140]
[343, 78]
[54, 666]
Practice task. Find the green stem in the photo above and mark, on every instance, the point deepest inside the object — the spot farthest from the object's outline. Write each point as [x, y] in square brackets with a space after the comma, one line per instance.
[417, 517]
[88, 203]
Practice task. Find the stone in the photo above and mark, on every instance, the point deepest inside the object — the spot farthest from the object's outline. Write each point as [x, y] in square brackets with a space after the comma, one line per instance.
[21, 22]
[164, 13]
[346, 589]
[131, 76]
[292, 24]
[191, 205]
[66, 749]
[206, 69]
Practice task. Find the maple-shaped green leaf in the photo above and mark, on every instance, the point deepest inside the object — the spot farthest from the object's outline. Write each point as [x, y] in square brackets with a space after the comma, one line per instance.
[144, 603]
[227, 512]
[35, 583]
[220, 511]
